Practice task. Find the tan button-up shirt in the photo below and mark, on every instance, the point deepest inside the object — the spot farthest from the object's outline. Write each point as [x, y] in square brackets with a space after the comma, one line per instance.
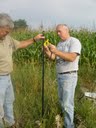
[7, 46]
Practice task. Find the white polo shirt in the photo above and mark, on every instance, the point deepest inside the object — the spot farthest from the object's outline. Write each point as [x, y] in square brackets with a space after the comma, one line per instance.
[71, 45]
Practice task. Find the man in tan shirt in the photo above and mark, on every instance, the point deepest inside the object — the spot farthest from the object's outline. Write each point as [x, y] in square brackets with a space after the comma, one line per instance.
[7, 46]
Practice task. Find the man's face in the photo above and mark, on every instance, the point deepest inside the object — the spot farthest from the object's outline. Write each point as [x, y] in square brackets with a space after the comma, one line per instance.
[4, 31]
[62, 32]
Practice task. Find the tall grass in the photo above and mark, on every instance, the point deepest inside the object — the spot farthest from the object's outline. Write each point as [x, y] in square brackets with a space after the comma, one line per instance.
[27, 81]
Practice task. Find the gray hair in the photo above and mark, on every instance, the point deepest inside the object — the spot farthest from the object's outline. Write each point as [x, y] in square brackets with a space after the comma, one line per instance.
[64, 26]
[5, 20]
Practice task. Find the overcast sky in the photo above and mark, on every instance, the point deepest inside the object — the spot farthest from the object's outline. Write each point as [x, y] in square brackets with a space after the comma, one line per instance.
[75, 13]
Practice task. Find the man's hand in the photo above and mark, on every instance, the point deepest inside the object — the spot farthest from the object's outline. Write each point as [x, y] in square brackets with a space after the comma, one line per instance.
[39, 37]
[49, 53]
[46, 49]
[52, 48]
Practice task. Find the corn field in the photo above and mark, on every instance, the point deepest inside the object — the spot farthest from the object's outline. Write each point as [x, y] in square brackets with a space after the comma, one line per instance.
[34, 52]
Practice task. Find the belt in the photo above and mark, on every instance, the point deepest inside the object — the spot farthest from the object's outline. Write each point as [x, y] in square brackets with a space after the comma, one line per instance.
[69, 72]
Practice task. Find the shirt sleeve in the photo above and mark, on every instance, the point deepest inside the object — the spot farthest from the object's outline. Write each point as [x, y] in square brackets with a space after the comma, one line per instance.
[75, 46]
[15, 44]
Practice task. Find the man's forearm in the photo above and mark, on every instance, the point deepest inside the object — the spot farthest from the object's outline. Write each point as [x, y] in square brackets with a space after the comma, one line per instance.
[65, 55]
[26, 43]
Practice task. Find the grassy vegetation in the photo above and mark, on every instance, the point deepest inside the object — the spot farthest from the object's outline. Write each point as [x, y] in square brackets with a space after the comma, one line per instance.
[27, 80]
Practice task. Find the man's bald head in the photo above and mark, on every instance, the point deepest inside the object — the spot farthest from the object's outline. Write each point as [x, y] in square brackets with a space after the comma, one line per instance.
[63, 31]
[64, 26]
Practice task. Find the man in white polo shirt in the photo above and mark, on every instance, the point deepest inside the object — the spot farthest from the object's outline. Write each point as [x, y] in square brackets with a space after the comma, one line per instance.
[7, 46]
[67, 56]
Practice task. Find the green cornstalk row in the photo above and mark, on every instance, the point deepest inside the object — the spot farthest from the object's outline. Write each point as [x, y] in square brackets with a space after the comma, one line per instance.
[34, 52]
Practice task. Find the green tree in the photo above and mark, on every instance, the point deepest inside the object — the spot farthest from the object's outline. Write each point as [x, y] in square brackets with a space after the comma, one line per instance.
[21, 23]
